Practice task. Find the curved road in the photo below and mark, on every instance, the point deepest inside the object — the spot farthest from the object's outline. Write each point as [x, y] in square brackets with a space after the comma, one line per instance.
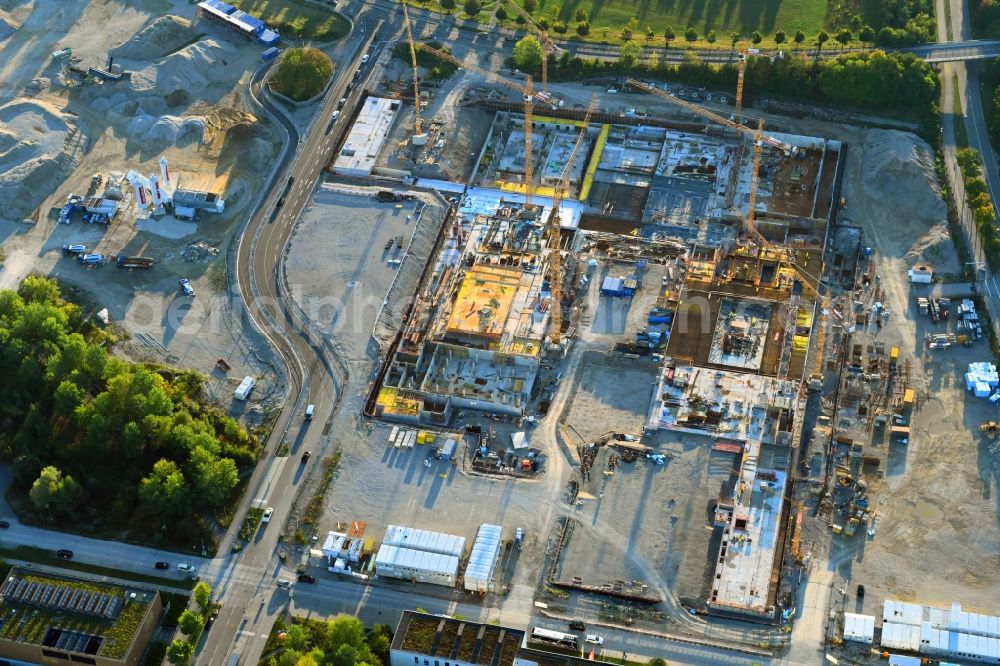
[244, 583]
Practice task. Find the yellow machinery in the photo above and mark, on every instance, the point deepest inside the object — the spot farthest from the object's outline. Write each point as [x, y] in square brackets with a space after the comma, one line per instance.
[419, 138]
[555, 256]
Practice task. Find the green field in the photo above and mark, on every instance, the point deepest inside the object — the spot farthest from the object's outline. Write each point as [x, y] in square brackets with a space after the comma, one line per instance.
[297, 19]
[608, 18]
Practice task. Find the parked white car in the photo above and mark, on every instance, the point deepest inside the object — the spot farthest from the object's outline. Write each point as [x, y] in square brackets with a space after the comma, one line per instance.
[266, 518]
[185, 568]
[595, 639]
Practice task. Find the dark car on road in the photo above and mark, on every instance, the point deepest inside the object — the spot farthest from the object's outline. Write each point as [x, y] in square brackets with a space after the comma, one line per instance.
[577, 625]
[861, 591]
[64, 554]
[162, 565]
[305, 456]
[4, 524]
[306, 578]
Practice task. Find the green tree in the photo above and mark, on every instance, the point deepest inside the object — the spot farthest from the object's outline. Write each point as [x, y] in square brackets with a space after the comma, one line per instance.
[54, 492]
[780, 37]
[668, 36]
[212, 478]
[845, 37]
[755, 37]
[626, 33]
[691, 34]
[501, 14]
[297, 638]
[866, 35]
[346, 630]
[629, 52]
[821, 38]
[67, 397]
[581, 15]
[164, 492]
[710, 36]
[448, 5]
[799, 38]
[202, 595]
[659, 661]
[733, 38]
[649, 33]
[529, 6]
[583, 28]
[191, 623]
[379, 641]
[179, 652]
[472, 7]
[528, 54]
[302, 73]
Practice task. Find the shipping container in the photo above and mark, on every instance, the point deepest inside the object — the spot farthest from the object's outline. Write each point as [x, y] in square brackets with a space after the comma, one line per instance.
[243, 390]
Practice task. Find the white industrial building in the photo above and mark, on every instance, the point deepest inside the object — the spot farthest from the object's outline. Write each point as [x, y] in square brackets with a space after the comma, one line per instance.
[483, 559]
[859, 628]
[941, 632]
[367, 136]
[419, 555]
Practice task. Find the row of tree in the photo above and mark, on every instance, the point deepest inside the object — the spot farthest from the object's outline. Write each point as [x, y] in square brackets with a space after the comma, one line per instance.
[343, 641]
[980, 203]
[990, 78]
[102, 444]
[192, 624]
[899, 83]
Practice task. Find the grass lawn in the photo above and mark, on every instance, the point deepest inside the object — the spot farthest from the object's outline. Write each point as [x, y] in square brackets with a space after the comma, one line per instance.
[299, 19]
[608, 17]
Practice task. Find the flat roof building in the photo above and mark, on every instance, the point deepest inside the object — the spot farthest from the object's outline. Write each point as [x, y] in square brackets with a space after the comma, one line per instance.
[419, 555]
[422, 639]
[859, 628]
[49, 618]
[941, 632]
[367, 136]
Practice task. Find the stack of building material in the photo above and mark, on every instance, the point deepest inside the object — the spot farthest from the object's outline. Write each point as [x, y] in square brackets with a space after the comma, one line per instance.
[982, 378]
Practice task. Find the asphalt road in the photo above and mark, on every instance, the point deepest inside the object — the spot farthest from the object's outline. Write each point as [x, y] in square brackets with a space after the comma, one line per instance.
[244, 583]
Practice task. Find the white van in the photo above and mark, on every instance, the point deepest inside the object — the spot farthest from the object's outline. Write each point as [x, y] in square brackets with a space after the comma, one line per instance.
[243, 390]
[309, 412]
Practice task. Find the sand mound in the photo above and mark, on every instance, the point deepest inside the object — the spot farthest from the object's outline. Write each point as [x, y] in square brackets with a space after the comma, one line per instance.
[192, 68]
[164, 35]
[170, 129]
[902, 164]
[935, 248]
[39, 147]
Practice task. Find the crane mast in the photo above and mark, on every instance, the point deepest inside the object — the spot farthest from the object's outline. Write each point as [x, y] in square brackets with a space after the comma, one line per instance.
[417, 125]
[555, 256]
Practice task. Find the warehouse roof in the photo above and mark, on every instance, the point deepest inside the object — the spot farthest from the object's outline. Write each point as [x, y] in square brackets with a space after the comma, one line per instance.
[424, 540]
[860, 628]
[415, 560]
[452, 639]
[368, 134]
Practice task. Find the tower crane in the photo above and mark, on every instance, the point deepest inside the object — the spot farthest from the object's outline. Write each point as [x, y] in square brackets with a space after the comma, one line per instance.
[555, 257]
[548, 46]
[741, 72]
[529, 103]
[419, 138]
[786, 148]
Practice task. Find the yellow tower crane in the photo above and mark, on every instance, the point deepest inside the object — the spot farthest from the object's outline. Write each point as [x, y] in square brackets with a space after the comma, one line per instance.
[741, 72]
[548, 46]
[786, 148]
[419, 138]
[555, 256]
[529, 94]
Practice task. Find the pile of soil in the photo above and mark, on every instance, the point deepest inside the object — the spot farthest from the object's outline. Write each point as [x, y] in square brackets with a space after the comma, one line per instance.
[161, 37]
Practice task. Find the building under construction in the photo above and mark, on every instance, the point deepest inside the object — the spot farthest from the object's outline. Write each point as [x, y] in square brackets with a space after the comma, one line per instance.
[479, 324]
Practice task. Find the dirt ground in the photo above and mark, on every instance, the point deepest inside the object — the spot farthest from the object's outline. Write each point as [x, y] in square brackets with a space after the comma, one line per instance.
[187, 79]
[941, 489]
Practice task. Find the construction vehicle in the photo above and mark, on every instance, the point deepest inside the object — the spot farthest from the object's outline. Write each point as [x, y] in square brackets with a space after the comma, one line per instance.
[186, 287]
[74, 249]
[419, 137]
[62, 54]
[134, 262]
[990, 429]
[555, 256]
[548, 46]
[785, 148]
[741, 71]
[90, 260]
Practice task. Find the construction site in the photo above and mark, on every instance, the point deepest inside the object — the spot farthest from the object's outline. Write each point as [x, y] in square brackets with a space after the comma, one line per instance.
[697, 362]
